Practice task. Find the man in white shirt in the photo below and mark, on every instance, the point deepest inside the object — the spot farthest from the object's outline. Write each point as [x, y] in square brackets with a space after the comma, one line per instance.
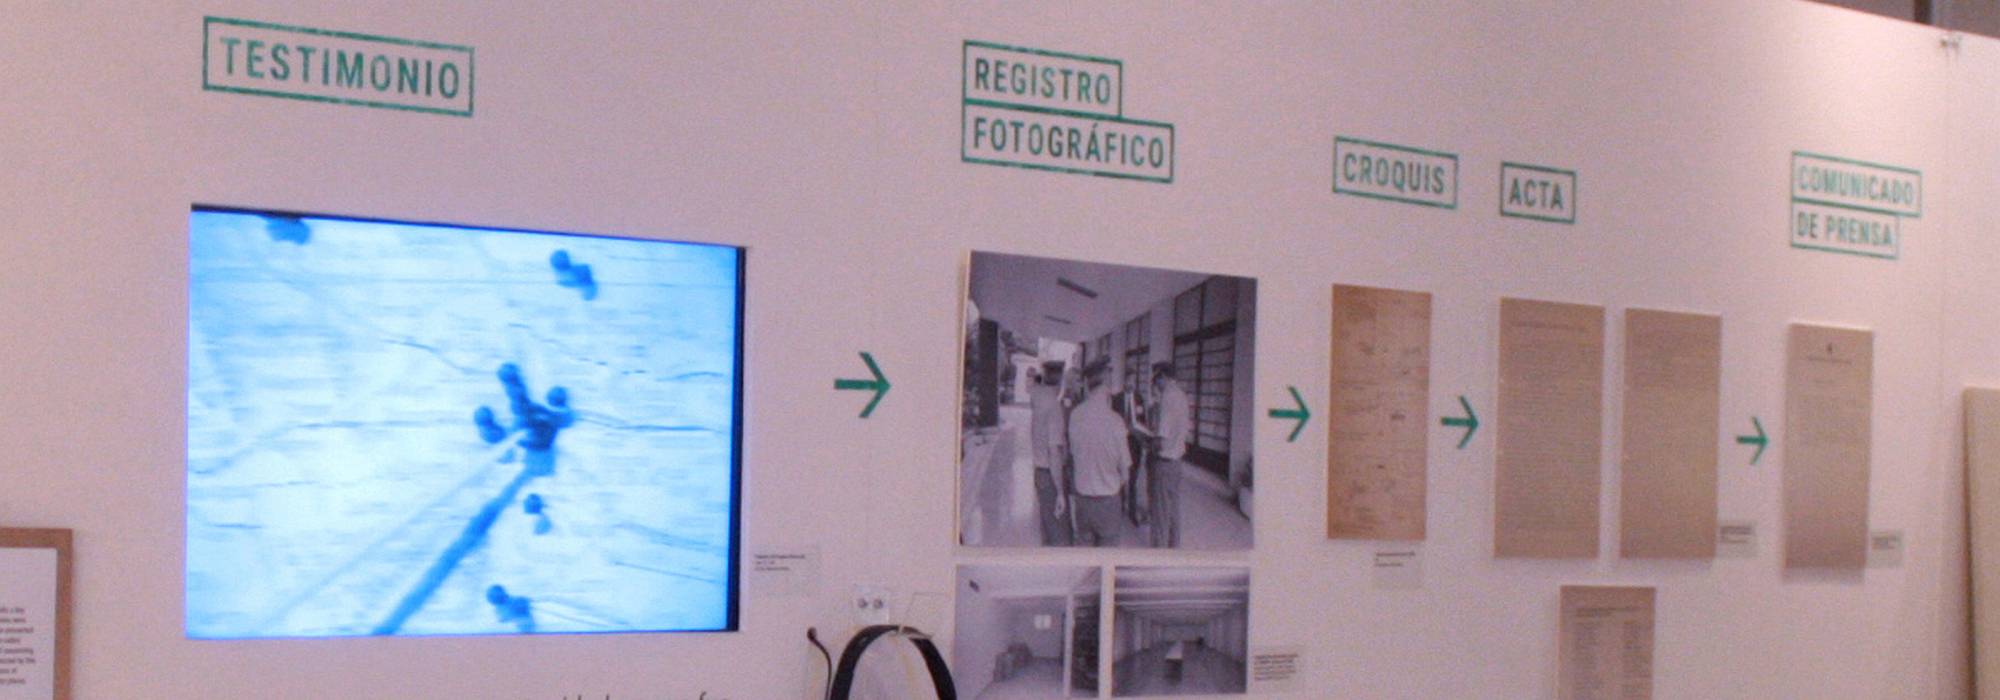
[1103, 459]
[1173, 426]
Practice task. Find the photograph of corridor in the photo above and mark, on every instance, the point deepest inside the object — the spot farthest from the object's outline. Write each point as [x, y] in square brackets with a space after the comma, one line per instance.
[1106, 406]
[1180, 630]
[1027, 631]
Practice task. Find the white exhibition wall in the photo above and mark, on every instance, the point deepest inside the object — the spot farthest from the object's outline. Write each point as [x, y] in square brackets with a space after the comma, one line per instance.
[822, 136]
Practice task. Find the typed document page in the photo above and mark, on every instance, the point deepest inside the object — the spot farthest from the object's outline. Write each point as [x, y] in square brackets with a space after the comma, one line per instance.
[1673, 376]
[1548, 471]
[1828, 404]
[1606, 645]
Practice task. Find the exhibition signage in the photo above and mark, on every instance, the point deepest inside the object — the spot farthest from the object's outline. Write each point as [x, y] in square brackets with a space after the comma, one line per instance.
[1538, 192]
[1046, 80]
[1470, 422]
[1849, 206]
[879, 385]
[1396, 173]
[1060, 112]
[1760, 440]
[319, 65]
[1300, 414]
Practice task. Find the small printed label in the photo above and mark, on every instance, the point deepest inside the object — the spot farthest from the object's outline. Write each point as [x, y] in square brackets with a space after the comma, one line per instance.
[1399, 568]
[1036, 79]
[1054, 111]
[1275, 669]
[28, 621]
[1537, 192]
[275, 60]
[1854, 184]
[1843, 230]
[1736, 539]
[784, 572]
[1885, 549]
[1396, 173]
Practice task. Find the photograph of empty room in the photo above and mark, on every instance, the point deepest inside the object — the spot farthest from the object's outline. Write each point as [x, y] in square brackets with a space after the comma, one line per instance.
[1180, 630]
[1027, 631]
[1105, 406]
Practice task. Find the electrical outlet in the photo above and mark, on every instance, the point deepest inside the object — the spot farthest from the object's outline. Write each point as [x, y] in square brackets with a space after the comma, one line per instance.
[873, 605]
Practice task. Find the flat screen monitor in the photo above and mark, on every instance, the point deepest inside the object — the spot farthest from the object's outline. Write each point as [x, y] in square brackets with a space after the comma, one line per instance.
[418, 429]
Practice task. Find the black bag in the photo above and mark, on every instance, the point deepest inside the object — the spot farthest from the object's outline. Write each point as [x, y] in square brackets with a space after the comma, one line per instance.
[850, 660]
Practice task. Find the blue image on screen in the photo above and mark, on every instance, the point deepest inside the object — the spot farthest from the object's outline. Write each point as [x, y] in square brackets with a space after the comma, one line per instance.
[403, 429]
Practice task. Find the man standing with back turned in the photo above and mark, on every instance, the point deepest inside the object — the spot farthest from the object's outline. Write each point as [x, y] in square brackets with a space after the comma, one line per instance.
[1174, 421]
[1097, 442]
[1048, 428]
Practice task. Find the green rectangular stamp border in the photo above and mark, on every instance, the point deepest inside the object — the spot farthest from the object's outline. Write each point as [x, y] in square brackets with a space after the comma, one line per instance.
[1173, 141]
[1574, 184]
[471, 78]
[965, 54]
[1338, 139]
[1852, 161]
[1792, 220]
[974, 102]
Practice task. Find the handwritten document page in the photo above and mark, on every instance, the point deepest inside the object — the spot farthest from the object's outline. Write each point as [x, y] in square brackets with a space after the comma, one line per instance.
[1376, 468]
[1550, 444]
[1606, 644]
[1673, 385]
[1828, 402]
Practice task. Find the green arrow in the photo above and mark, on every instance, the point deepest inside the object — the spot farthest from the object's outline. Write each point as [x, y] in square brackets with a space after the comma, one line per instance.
[879, 385]
[1302, 415]
[1760, 440]
[1470, 422]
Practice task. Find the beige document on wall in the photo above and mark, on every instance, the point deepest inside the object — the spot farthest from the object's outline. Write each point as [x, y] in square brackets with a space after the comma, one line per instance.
[1376, 443]
[1606, 643]
[1982, 483]
[35, 612]
[1829, 375]
[1673, 386]
[1547, 476]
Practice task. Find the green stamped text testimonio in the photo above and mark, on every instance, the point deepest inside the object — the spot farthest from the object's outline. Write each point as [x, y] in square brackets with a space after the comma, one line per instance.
[302, 63]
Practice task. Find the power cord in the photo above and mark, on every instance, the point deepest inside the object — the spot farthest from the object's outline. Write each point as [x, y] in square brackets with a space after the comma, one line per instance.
[812, 635]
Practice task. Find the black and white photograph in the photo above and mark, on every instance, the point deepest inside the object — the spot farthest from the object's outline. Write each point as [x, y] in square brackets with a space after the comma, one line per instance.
[1106, 406]
[1027, 631]
[1180, 630]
